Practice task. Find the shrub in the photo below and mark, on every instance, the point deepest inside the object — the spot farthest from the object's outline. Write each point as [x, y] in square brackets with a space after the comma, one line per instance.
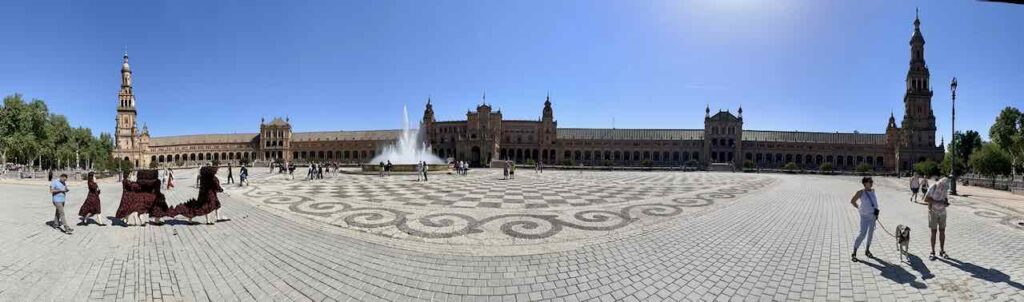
[826, 168]
[790, 166]
[863, 168]
[748, 165]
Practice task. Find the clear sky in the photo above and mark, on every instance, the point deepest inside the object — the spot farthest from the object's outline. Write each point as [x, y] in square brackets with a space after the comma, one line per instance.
[219, 66]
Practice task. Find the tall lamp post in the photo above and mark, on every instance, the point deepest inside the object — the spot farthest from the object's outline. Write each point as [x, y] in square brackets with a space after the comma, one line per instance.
[952, 155]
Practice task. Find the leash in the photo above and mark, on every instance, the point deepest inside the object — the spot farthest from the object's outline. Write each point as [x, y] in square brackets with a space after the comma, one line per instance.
[883, 227]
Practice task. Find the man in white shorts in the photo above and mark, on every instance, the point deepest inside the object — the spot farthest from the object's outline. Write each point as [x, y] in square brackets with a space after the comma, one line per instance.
[937, 199]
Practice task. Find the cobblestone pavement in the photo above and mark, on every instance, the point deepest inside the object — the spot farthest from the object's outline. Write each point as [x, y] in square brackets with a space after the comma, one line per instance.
[483, 214]
[787, 238]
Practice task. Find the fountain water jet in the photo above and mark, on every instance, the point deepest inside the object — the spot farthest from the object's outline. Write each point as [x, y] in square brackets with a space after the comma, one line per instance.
[407, 151]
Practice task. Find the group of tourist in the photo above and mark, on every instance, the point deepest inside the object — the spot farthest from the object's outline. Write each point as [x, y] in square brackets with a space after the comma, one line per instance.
[316, 171]
[936, 198]
[285, 167]
[421, 171]
[141, 198]
[385, 169]
[510, 170]
[461, 167]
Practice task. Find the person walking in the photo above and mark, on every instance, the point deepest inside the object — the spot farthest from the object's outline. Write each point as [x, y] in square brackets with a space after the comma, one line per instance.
[425, 167]
[231, 176]
[868, 209]
[49, 175]
[937, 199]
[91, 206]
[58, 191]
[924, 183]
[419, 171]
[387, 168]
[505, 172]
[915, 185]
[512, 171]
[170, 179]
[243, 176]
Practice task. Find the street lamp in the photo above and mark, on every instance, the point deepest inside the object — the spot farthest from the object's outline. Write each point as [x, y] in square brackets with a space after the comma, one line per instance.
[952, 142]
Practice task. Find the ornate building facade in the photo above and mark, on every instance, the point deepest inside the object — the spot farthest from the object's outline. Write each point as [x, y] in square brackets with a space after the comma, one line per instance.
[485, 135]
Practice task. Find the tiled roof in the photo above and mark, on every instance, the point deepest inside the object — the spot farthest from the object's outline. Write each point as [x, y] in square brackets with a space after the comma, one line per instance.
[346, 135]
[630, 134]
[814, 137]
[278, 122]
[724, 116]
[202, 139]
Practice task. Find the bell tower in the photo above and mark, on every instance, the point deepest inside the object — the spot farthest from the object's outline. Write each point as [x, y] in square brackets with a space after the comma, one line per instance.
[126, 131]
[918, 120]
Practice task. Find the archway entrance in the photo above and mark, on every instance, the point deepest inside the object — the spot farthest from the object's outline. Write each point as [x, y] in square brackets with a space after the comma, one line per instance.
[474, 156]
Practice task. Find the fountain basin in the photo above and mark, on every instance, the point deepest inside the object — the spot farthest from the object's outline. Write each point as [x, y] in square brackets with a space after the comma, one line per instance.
[405, 168]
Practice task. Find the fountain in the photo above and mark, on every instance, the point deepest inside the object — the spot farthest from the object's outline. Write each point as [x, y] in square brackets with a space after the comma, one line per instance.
[406, 152]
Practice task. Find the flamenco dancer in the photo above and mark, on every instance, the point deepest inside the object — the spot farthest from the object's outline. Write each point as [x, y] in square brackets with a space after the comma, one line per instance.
[91, 206]
[138, 197]
[153, 203]
[207, 201]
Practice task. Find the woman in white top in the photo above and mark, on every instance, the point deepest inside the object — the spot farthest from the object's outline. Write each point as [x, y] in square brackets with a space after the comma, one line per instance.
[868, 210]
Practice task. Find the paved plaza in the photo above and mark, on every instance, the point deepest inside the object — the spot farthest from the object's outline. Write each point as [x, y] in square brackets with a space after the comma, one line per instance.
[557, 235]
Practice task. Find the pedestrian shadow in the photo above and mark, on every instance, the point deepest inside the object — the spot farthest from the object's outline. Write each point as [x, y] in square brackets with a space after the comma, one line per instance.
[918, 265]
[988, 274]
[895, 273]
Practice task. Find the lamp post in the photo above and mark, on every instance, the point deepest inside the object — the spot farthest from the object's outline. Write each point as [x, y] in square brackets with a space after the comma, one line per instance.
[952, 155]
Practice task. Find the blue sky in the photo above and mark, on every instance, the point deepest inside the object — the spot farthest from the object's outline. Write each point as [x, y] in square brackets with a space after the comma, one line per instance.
[219, 66]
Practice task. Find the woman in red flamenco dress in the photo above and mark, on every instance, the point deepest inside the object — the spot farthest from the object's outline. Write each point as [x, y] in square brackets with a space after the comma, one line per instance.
[207, 200]
[91, 206]
[154, 203]
[131, 201]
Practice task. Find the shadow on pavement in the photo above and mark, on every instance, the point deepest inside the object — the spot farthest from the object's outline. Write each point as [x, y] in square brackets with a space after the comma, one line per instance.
[918, 265]
[895, 273]
[987, 274]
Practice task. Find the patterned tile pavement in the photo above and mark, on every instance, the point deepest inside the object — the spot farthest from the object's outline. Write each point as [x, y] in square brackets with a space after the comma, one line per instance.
[785, 237]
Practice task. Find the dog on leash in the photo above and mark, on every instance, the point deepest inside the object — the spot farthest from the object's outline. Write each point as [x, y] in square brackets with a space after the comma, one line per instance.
[903, 241]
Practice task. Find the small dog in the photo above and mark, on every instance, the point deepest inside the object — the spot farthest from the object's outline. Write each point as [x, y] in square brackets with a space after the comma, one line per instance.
[903, 241]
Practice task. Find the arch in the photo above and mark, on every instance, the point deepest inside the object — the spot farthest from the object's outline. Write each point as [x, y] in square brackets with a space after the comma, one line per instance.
[159, 159]
[474, 155]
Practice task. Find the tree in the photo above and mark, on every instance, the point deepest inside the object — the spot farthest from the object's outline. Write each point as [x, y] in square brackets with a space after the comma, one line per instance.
[991, 161]
[1008, 133]
[966, 143]
[927, 168]
[31, 135]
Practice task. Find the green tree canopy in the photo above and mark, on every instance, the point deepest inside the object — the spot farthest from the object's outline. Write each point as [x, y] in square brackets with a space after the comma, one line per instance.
[927, 168]
[1008, 133]
[990, 161]
[31, 134]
